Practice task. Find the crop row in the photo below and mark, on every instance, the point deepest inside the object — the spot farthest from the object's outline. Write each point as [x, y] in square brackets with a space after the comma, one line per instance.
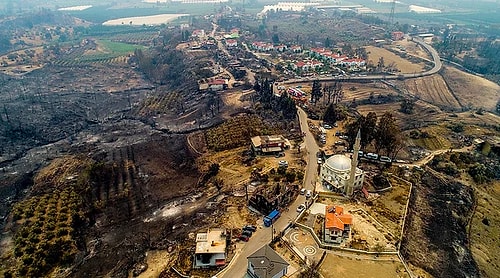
[234, 133]
[159, 103]
[93, 60]
[45, 237]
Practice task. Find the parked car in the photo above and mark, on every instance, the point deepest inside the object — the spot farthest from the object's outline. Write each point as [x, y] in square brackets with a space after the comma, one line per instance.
[283, 163]
[320, 160]
[385, 159]
[302, 191]
[326, 126]
[243, 238]
[300, 208]
[280, 154]
[308, 194]
[251, 228]
[246, 233]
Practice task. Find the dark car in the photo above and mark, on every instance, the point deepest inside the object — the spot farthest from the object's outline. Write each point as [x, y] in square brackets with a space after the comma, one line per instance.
[246, 233]
[243, 238]
[251, 228]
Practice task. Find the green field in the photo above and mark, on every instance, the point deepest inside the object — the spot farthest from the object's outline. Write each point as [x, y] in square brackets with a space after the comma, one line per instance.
[119, 48]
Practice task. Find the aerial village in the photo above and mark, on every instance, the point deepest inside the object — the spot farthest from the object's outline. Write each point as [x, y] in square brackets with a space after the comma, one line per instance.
[302, 222]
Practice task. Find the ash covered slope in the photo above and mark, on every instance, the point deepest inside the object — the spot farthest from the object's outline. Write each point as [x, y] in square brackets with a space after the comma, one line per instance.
[435, 237]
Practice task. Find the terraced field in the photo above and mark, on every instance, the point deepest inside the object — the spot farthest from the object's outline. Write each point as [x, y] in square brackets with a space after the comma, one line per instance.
[433, 89]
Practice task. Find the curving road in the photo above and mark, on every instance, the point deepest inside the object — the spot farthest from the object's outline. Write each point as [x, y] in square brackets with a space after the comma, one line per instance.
[238, 265]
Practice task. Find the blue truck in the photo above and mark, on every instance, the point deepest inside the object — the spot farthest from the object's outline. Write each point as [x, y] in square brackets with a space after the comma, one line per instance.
[271, 218]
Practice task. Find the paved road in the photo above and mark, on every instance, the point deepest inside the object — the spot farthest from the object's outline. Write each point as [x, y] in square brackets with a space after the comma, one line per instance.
[237, 267]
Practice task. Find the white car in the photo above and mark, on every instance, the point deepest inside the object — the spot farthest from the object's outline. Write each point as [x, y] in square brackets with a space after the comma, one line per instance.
[308, 194]
[301, 208]
[283, 163]
[302, 191]
[320, 160]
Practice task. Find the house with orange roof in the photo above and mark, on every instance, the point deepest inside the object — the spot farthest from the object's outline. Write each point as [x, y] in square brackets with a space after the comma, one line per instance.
[337, 224]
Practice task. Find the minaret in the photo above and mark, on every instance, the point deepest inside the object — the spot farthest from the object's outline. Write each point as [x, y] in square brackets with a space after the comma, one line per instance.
[354, 162]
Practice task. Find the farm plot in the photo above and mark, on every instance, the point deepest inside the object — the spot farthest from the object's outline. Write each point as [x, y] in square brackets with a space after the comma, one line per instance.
[432, 89]
[471, 90]
[403, 65]
[364, 91]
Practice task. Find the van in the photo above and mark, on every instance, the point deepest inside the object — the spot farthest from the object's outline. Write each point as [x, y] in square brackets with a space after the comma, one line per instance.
[373, 156]
[385, 159]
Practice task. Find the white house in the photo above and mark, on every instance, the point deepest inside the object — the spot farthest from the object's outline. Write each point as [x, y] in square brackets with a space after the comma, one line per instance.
[231, 43]
[337, 224]
[266, 263]
[210, 248]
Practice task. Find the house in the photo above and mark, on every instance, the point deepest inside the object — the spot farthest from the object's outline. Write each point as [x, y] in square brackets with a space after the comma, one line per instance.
[337, 224]
[217, 84]
[397, 35]
[198, 33]
[231, 43]
[306, 66]
[354, 62]
[270, 144]
[266, 263]
[210, 248]
[296, 48]
[281, 48]
[262, 46]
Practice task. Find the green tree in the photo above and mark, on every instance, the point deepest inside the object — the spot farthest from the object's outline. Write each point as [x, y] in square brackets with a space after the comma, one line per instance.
[328, 42]
[407, 106]
[276, 38]
[388, 135]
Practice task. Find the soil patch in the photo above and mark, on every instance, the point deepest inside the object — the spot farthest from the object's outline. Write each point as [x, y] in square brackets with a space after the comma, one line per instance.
[472, 90]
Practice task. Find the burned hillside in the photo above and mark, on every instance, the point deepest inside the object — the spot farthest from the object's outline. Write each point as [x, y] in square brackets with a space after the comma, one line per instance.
[435, 237]
[100, 198]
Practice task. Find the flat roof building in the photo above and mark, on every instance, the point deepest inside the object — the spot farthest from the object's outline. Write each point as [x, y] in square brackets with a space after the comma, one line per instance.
[210, 248]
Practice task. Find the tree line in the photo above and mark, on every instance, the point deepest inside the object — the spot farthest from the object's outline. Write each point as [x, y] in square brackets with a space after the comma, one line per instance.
[281, 104]
[382, 133]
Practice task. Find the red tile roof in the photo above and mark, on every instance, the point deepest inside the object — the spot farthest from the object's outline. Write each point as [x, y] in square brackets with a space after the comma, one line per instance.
[336, 218]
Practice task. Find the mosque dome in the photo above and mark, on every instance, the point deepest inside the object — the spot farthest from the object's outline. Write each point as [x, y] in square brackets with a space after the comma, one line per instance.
[339, 162]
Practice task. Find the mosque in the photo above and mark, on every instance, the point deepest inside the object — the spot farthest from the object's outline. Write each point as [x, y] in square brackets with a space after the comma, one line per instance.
[340, 174]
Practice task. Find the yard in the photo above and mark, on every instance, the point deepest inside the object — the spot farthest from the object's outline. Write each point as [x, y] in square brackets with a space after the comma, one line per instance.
[361, 267]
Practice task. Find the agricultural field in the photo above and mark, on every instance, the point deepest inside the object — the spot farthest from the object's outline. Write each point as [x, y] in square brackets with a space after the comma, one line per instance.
[47, 222]
[432, 89]
[470, 90]
[403, 65]
[144, 20]
[104, 52]
[236, 132]
[363, 91]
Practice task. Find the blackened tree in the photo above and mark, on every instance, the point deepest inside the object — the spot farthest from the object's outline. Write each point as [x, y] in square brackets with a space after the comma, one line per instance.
[316, 92]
